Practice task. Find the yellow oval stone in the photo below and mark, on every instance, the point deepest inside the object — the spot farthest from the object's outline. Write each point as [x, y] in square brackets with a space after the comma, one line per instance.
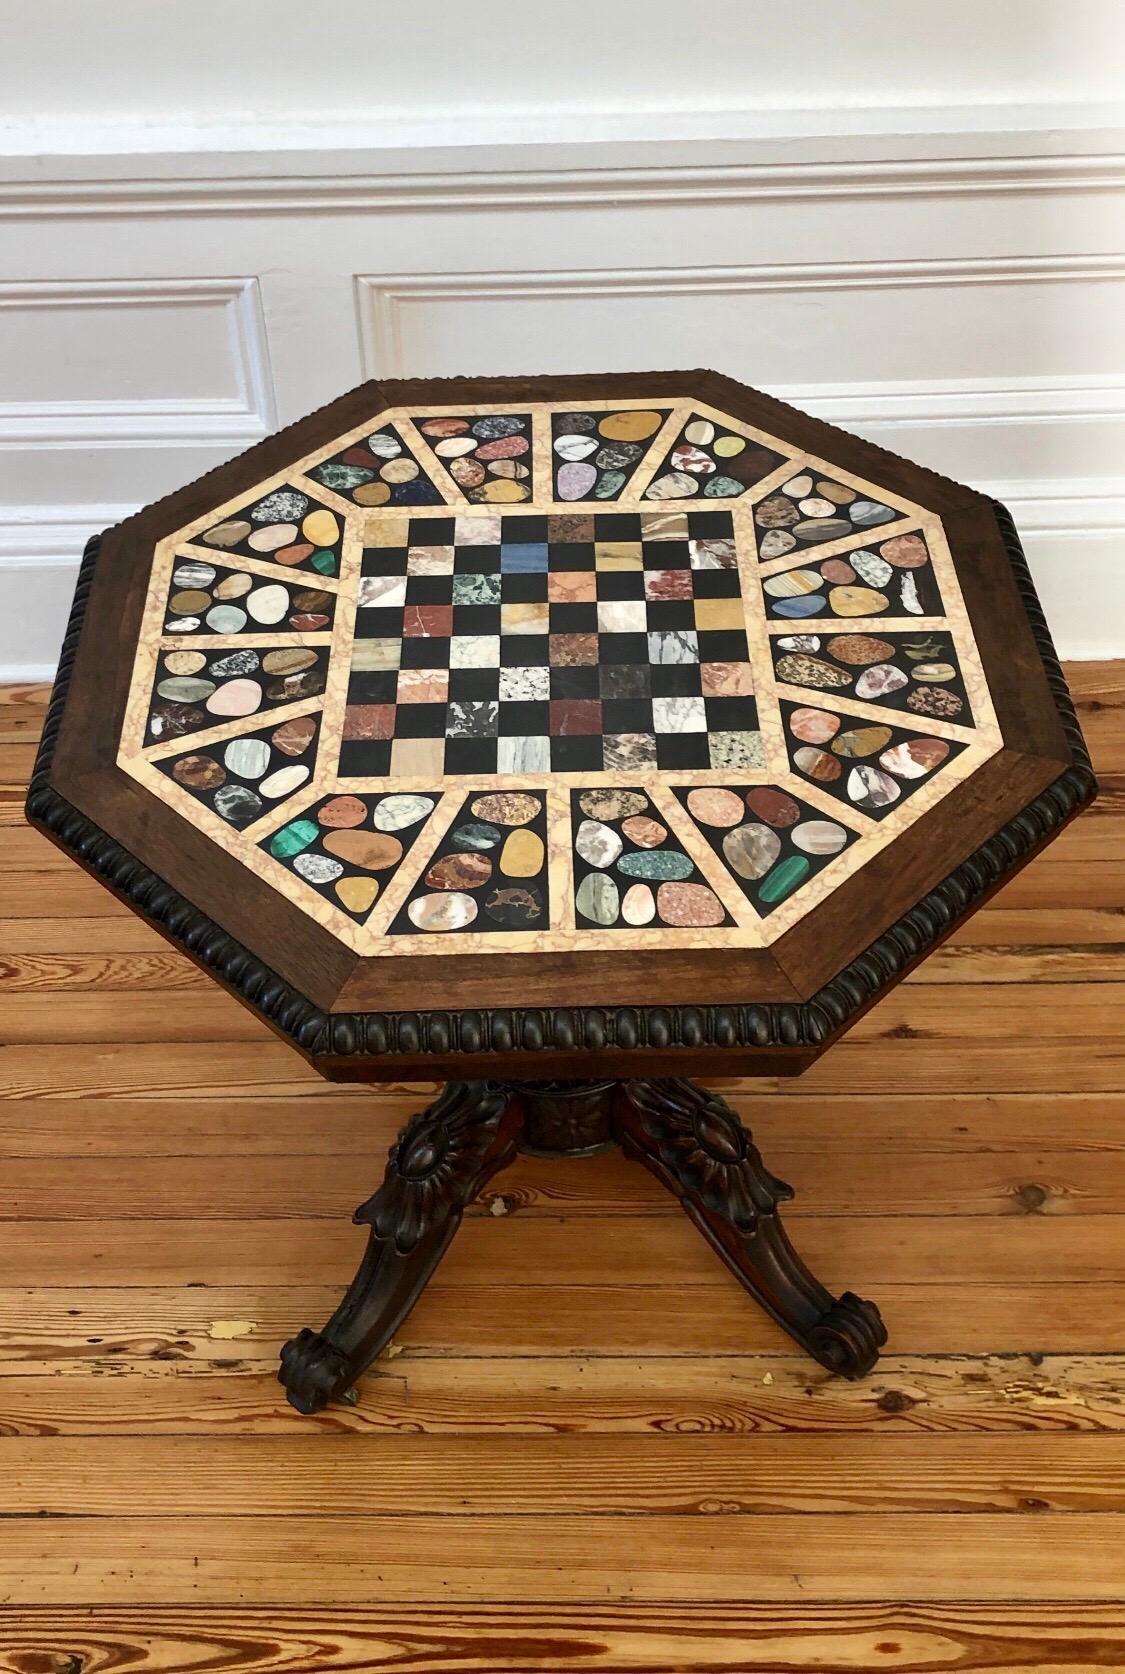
[522, 854]
[321, 528]
[184, 662]
[190, 602]
[727, 446]
[499, 489]
[857, 601]
[371, 494]
[630, 427]
[399, 470]
[357, 894]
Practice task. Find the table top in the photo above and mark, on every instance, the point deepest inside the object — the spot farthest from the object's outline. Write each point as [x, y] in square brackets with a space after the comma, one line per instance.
[462, 685]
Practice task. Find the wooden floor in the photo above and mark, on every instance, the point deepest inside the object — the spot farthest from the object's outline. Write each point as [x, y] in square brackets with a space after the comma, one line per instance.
[587, 1449]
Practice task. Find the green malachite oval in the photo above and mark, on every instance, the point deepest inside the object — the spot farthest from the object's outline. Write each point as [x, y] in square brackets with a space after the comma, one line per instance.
[292, 838]
[783, 880]
[337, 476]
[324, 561]
[665, 864]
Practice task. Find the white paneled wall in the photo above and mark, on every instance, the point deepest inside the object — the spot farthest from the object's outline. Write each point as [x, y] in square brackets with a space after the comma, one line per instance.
[945, 277]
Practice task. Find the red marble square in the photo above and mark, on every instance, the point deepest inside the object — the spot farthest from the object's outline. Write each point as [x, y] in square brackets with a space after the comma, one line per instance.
[369, 720]
[570, 650]
[573, 717]
[668, 584]
[427, 621]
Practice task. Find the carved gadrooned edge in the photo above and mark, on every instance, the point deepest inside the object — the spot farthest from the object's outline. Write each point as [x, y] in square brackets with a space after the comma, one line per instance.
[539, 1029]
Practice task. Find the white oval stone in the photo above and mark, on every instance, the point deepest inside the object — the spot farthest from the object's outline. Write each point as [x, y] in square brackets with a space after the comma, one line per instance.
[184, 624]
[285, 779]
[674, 485]
[598, 844]
[816, 507]
[451, 910]
[871, 787]
[317, 868]
[454, 446]
[248, 757]
[879, 681]
[226, 619]
[819, 837]
[395, 813]
[384, 447]
[573, 446]
[237, 697]
[638, 905]
[798, 487]
[871, 568]
[700, 433]
[268, 604]
[193, 574]
[272, 537]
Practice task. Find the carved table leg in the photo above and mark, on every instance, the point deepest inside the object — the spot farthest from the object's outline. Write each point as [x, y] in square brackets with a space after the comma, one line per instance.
[439, 1163]
[695, 1145]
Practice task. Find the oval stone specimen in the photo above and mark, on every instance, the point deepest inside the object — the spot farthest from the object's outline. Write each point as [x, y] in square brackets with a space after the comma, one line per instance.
[597, 899]
[646, 833]
[751, 850]
[522, 855]
[185, 689]
[198, 773]
[395, 813]
[639, 905]
[293, 686]
[357, 894]
[575, 480]
[237, 803]
[184, 662]
[227, 534]
[293, 738]
[476, 835]
[715, 807]
[272, 537]
[656, 863]
[292, 838]
[226, 619]
[773, 806]
[295, 554]
[630, 427]
[237, 697]
[821, 529]
[284, 505]
[506, 807]
[385, 446]
[439, 913]
[234, 586]
[700, 432]
[189, 602]
[799, 642]
[858, 742]
[776, 513]
[497, 424]
[283, 781]
[817, 764]
[317, 868]
[916, 758]
[905, 552]
[857, 601]
[466, 473]
[775, 543]
[321, 528]
[798, 487]
[172, 720]
[814, 726]
[610, 804]
[934, 674]
[236, 662]
[880, 681]
[835, 569]
[870, 787]
[372, 851]
[784, 879]
[193, 574]
[694, 460]
[459, 871]
[819, 837]
[513, 908]
[289, 661]
[673, 485]
[268, 605]
[598, 844]
[248, 757]
[575, 446]
[727, 447]
[868, 512]
[859, 649]
[341, 813]
[934, 701]
[810, 604]
[870, 568]
[801, 670]
[791, 584]
[689, 906]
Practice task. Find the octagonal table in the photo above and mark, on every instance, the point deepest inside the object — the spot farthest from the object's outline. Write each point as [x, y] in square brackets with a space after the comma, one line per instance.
[561, 738]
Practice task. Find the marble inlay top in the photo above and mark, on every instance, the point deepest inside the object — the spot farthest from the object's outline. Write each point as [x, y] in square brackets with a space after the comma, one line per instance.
[635, 673]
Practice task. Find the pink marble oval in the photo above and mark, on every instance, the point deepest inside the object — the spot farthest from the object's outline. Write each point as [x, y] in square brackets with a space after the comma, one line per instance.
[575, 480]
[689, 906]
[715, 807]
[237, 697]
[813, 726]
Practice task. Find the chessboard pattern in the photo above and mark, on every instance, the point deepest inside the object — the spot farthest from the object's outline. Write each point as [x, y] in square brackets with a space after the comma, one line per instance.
[549, 677]
[570, 644]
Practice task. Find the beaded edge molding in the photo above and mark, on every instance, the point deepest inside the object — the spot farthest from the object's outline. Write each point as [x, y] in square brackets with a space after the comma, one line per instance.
[810, 1025]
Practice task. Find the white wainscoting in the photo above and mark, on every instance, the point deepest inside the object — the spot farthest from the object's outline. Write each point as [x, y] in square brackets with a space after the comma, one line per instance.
[958, 298]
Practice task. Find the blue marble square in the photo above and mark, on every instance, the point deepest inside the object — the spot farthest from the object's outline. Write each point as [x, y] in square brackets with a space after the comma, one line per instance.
[523, 557]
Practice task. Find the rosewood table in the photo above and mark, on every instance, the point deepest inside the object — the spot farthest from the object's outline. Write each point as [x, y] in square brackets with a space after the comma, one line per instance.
[561, 739]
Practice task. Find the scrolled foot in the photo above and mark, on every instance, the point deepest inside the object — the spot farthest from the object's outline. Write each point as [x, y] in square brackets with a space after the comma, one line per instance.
[313, 1370]
[848, 1338]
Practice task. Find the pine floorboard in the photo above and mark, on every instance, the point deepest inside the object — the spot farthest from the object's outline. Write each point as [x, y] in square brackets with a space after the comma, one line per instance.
[585, 1450]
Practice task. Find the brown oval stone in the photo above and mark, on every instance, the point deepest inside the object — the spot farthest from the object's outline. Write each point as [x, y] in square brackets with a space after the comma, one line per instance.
[466, 473]
[646, 833]
[796, 668]
[689, 906]
[773, 806]
[858, 742]
[859, 649]
[836, 492]
[198, 773]
[814, 726]
[506, 807]
[817, 764]
[905, 552]
[342, 811]
[227, 534]
[295, 554]
[190, 602]
[288, 661]
[612, 804]
[293, 738]
[776, 513]
[372, 851]
[438, 427]
[307, 624]
[915, 758]
[311, 598]
[834, 569]
[459, 871]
